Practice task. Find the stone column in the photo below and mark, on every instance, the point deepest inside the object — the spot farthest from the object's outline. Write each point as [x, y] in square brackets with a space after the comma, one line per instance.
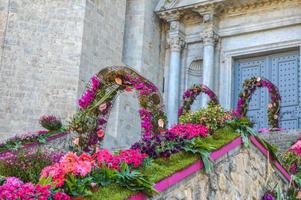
[209, 40]
[173, 98]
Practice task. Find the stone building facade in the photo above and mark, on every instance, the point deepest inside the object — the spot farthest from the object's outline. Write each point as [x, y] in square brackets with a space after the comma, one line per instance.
[50, 48]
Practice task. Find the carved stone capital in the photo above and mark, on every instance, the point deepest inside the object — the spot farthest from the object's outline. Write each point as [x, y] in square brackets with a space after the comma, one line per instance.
[170, 16]
[209, 37]
[176, 43]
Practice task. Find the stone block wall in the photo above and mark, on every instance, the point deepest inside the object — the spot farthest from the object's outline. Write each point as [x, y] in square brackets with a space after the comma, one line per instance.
[40, 59]
[3, 24]
[283, 139]
[102, 40]
[242, 174]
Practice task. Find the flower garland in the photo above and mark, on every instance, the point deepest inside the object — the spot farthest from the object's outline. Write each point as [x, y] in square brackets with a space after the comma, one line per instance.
[98, 99]
[249, 88]
[190, 95]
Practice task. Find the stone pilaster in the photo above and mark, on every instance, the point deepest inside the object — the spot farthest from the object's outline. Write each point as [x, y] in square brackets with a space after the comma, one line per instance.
[209, 38]
[176, 42]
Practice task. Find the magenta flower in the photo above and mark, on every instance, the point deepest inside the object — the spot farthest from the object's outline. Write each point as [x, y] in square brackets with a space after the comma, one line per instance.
[189, 131]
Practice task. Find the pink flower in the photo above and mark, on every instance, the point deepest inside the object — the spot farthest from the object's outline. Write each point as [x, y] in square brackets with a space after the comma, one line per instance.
[296, 148]
[61, 196]
[14, 189]
[189, 131]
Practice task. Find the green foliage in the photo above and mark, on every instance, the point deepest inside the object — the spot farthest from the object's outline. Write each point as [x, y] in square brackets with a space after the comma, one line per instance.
[104, 176]
[289, 158]
[213, 117]
[198, 146]
[112, 192]
[25, 165]
[78, 186]
[2, 180]
[134, 180]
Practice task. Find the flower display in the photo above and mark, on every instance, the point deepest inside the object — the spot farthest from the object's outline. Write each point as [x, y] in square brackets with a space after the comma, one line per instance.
[50, 122]
[69, 163]
[160, 145]
[90, 93]
[15, 189]
[249, 88]
[98, 99]
[27, 165]
[131, 157]
[213, 117]
[190, 95]
[189, 131]
[29, 139]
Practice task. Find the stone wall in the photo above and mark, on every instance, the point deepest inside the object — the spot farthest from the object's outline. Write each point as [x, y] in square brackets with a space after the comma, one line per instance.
[283, 139]
[3, 24]
[102, 40]
[40, 61]
[242, 174]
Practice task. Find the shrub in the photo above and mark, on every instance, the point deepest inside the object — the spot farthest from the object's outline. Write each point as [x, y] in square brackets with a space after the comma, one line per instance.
[50, 122]
[213, 117]
[27, 165]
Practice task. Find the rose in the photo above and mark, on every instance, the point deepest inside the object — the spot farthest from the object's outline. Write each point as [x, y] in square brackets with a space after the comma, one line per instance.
[100, 133]
[118, 80]
[76, 141]
[102, 107]
[161, 123]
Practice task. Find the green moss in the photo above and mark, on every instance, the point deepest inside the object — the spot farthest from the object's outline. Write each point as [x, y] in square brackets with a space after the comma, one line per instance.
[164, 167]
[112, 192]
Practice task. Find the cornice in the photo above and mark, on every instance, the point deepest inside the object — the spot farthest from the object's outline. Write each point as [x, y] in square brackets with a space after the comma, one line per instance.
[222, 7]
[238, 9]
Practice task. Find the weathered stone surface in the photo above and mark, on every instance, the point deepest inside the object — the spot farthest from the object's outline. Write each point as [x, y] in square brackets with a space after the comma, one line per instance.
[242, 174]
[39, 61]
[283, 139]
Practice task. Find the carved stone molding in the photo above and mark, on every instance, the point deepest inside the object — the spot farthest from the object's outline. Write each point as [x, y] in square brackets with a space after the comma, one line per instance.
[209, 38]
[170, 16]
[176, 43]
[234, 9]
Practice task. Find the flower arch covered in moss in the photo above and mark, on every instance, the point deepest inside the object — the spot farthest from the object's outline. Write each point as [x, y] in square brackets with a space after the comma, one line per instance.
[190, 95]
[249, 87]
[97, 101]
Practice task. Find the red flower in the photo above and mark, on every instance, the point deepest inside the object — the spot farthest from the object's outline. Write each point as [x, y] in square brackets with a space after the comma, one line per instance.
[100, 133]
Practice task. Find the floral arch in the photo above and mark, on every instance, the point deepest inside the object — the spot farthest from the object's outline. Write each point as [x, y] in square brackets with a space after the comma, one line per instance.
[190, 95]
[249, 87]
[97, 101]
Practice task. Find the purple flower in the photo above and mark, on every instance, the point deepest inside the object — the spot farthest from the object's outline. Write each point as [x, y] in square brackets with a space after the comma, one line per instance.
[101, 121]
[90, 93]
[95, 82]
[268, 196]
[187, 94]
[180, 111]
